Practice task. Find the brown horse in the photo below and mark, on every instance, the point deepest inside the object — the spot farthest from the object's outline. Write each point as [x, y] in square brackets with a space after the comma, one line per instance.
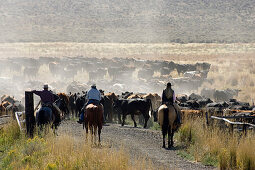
[167, 120]
[94, 120]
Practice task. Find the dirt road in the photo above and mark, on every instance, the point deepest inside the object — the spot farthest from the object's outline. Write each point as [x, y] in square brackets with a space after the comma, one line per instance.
[140, 143]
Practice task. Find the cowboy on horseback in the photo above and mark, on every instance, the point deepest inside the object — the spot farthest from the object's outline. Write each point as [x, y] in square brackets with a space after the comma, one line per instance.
[169, 98]
[93, 97]
[47, 100]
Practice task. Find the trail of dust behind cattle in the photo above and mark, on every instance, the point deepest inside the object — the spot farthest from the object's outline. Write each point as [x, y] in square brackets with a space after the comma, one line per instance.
[143, 143]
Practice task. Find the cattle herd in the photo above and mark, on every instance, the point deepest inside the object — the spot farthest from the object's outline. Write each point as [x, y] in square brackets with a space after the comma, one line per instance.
[130, 84]
[68, 74]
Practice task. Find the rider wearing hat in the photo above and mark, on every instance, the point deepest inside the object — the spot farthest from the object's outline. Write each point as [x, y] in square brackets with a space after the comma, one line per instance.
[47, 99]
[46, 96]
[168, 95]
[93, 97]
[169, 98]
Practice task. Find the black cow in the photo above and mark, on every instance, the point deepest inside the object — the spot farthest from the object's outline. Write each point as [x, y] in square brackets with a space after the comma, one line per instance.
[204, 102]
[80, 102]
[134, 107]
[126, 94]
[72, 104]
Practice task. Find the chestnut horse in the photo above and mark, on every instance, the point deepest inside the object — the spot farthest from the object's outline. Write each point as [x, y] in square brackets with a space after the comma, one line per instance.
[94, 120]
[167, 120]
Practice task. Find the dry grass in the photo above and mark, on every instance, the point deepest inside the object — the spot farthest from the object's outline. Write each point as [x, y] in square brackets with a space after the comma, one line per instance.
[213, 146]
[164, 51]
[63, 152]
[235, 74]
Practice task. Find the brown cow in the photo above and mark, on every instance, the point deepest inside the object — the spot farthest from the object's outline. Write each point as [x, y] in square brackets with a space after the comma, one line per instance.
[109, 99]
[155, 100]
[2, 110]
[192, 113]
[7, 107]
[135, 96]
[8, 99]
[6, 103]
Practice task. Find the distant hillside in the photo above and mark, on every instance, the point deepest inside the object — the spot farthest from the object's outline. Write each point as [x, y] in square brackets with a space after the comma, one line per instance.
[127, 21]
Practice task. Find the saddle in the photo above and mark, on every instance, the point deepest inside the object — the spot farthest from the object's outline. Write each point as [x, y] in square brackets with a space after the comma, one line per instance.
[47, 105]
[93, 105]
[168, 103]
[177, 121]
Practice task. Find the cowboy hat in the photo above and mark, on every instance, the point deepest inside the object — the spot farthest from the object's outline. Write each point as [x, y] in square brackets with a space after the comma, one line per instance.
[169, 84]
[45, 86]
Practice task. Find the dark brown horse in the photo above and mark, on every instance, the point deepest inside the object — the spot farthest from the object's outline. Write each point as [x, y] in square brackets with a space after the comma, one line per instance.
[93, 120]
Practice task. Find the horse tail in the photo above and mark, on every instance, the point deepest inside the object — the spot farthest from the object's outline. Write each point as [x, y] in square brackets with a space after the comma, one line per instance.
[95, 115]
[165, 120]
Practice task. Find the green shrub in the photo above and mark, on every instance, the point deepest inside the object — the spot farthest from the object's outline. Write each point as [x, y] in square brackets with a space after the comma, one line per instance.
[186, 135]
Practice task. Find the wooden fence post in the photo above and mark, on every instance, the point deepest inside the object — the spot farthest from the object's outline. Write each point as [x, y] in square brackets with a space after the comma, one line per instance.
[29, 112]
[245, 129]
[207, 118]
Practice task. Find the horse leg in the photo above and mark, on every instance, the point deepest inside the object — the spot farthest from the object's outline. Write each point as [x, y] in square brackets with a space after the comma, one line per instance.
[95, 133]
[99, 139]
[164, 135]
[87, 131]
[133, 118]
[91, 133]
[169, 137]
[172, 135]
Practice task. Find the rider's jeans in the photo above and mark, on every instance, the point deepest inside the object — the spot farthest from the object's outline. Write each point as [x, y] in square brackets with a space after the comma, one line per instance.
[47, 110]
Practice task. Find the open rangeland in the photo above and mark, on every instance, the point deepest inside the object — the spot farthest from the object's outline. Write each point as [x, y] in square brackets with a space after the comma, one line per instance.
[232, 66]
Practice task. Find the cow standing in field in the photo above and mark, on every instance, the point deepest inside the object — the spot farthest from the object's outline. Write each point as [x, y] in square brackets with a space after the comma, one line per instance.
[134, 107]
[72, 106]
[155, 100]
[2, 109]
[63, 104]
[109, 100]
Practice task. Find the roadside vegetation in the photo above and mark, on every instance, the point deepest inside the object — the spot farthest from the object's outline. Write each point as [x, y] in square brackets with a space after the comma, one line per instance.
[215, 146]
[60, 152]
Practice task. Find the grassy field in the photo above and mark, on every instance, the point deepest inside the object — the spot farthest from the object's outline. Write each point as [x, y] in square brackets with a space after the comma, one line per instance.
[60, 152]
[215, 146]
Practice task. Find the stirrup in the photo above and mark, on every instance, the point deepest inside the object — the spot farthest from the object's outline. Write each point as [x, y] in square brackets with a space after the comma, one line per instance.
[79, 121]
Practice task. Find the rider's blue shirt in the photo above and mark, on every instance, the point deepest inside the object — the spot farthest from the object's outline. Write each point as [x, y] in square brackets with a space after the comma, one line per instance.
[94, 94]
